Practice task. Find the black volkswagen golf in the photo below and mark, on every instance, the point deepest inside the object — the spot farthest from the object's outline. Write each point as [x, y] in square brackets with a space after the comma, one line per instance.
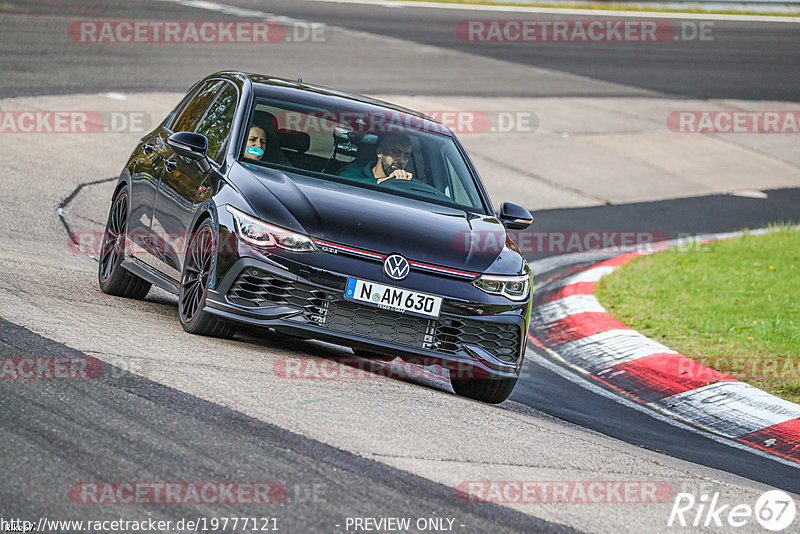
[323, 215]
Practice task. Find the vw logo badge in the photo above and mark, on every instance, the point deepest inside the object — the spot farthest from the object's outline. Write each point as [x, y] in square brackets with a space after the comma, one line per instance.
[396, 267]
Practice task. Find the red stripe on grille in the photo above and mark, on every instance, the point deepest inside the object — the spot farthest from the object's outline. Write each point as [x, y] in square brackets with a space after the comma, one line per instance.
[349, 249]
[442, 269]
[380, 256]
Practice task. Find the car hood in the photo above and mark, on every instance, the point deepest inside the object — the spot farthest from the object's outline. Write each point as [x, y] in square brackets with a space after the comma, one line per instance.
[380, 221]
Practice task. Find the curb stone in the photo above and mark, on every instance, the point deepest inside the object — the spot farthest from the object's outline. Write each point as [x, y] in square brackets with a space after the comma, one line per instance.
[574, 328]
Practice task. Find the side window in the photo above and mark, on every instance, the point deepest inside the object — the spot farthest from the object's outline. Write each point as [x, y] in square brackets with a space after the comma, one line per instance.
[458, 194]
[190, 115]
[184, 101]
[458, 174]
[216, 125]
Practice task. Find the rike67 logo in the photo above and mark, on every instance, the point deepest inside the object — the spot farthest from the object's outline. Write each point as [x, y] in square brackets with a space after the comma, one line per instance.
[774, 510]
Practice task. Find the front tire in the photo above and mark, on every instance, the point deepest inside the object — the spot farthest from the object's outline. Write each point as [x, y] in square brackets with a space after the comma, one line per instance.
[489, 390]
[112, 277]
[195, 278]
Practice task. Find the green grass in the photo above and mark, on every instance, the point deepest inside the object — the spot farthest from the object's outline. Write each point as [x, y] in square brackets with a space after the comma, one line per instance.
[611, 6]
[732, 305]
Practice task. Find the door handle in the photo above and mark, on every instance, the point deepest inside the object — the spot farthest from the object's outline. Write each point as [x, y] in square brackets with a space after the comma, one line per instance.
[170, 165]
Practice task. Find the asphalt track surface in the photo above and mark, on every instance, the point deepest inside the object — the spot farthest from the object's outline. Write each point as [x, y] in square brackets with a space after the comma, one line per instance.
[71, 431]
[165, 429]
[745, 60]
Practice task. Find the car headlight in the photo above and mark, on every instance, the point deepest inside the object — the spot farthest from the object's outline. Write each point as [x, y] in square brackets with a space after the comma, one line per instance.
[512, 287]
[259, 233]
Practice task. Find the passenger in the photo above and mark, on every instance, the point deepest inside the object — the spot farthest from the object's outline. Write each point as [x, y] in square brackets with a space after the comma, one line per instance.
[262, 140]
[256, 143]
[394, 153]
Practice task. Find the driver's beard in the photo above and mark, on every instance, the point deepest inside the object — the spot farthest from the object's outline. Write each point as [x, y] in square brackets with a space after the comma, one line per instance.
[387, 168]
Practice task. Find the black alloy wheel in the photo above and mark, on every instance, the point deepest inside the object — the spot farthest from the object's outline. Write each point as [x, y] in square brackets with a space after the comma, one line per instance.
[195, 278]
[113, 278]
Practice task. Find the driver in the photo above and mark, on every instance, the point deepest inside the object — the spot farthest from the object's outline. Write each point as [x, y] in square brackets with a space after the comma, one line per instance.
[394, 152]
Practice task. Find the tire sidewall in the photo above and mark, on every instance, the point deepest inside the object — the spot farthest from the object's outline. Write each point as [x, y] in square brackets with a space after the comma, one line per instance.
[199, 315]
[115, 268]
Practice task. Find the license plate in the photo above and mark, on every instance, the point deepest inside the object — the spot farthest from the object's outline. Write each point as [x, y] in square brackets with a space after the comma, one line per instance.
[393, 298]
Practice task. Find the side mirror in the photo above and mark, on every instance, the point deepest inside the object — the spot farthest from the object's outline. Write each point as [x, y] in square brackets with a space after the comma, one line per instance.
[514, 217]
[192, 146]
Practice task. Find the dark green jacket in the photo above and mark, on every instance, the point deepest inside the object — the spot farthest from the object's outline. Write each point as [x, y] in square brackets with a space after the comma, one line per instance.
[360, 173]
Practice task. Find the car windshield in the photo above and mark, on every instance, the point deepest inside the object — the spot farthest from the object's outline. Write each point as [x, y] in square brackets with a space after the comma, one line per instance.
[380, 149]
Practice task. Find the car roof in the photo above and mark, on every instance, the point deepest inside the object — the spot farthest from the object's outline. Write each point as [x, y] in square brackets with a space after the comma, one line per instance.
[328, 96]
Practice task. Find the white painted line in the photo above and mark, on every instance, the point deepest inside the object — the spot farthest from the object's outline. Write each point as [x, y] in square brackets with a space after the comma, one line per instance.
[570, 11]
[114, 96]
[570, 375]
[730, 408]
[749, 193]
[235, 11]
[567, 306]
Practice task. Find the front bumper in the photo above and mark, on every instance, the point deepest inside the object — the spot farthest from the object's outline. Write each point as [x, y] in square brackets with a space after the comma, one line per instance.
[477, 339]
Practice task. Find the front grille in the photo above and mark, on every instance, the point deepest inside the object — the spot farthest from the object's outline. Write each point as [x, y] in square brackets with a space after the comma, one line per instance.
[500, 339]
[255, 288]
[366, 321]
[445, 335]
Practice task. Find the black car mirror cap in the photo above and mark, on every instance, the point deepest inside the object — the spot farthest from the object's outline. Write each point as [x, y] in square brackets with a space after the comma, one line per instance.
[514, 217]
[192, 146]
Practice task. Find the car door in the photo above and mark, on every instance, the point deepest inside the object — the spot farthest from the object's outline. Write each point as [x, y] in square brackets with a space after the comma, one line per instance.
[146, 173]
[153, 153]
[181, 179]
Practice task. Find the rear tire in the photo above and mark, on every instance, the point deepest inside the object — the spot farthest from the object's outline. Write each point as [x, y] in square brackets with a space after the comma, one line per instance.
[112, 277]
[195, 279]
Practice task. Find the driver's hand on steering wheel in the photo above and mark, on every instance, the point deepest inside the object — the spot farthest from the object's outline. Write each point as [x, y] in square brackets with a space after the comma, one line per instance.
[397, 174]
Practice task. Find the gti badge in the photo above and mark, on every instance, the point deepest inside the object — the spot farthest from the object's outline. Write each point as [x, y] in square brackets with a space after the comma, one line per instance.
[396, 267]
